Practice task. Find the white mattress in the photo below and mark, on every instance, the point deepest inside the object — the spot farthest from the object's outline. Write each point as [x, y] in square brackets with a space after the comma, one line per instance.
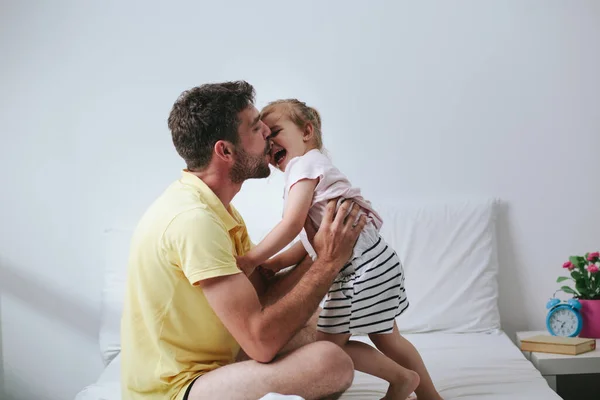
[467, 366]
[463, 366]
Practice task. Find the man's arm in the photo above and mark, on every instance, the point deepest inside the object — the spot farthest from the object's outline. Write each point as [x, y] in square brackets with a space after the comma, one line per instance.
[291, 256]
[262, 332]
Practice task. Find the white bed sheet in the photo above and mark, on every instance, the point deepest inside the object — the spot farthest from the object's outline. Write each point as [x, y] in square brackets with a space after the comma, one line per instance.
[475, 366]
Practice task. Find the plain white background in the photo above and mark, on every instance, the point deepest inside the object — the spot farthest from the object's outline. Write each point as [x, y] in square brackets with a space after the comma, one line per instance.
[418, 99]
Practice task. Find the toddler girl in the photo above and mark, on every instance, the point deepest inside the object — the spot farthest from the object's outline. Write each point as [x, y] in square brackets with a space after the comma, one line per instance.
[368, 293]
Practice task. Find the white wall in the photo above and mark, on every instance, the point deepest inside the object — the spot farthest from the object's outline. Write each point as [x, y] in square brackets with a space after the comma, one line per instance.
[418, 99]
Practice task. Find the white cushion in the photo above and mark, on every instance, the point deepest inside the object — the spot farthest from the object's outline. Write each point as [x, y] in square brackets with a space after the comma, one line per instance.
[448, 250]
[116, 245]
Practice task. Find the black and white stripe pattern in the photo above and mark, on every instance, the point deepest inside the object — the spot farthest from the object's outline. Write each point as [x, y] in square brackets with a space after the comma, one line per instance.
[367, 295]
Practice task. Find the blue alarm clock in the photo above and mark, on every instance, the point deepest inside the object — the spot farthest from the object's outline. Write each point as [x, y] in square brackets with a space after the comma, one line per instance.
[564, 319]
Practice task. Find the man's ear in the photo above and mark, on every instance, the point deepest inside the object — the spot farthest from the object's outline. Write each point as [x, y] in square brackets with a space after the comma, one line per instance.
[308, 132]
[224, 150]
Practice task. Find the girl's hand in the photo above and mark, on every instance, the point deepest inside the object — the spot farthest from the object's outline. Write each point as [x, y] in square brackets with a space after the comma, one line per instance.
[266, 273]
[245, 264]
[271, 266]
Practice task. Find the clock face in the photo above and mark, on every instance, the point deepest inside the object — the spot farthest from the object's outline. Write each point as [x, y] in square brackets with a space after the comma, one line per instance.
[563, 322]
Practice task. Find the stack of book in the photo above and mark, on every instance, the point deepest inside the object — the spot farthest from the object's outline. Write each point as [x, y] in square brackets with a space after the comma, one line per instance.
[558, 344]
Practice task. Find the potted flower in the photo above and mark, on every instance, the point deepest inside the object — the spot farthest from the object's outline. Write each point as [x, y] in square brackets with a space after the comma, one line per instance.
[586, 277]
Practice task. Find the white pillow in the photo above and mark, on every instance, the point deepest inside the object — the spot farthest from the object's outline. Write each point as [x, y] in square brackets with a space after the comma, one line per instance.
[107, 386]
[448, 250]
[116, 245]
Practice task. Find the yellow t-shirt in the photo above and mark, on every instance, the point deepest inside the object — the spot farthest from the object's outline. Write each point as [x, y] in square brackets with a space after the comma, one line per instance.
[169, 333]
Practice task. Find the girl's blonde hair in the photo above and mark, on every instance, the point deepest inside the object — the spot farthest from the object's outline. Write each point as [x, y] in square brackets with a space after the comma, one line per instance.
[300, 114]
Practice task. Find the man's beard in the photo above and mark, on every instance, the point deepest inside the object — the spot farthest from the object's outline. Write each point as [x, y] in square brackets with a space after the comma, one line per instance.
[249, 167]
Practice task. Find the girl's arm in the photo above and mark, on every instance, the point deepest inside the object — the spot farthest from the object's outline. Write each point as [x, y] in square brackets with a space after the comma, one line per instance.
[295, 213]
[291, 256]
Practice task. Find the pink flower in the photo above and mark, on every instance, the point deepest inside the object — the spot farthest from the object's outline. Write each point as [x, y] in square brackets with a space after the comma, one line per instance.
[593, 256]
[593, 268]
[569, 265]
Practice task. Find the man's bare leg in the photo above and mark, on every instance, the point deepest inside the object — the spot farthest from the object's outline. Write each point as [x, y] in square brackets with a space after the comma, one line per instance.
[314, 371]
[367, 359]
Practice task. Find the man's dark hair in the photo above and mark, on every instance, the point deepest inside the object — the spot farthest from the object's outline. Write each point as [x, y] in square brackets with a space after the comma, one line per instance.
[203, 115]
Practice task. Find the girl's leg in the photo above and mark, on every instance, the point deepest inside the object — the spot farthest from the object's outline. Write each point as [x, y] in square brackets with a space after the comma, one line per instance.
[367, 359]
[404, 353]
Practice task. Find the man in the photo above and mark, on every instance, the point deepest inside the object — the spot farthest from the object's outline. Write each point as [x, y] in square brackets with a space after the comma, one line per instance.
[189, 309]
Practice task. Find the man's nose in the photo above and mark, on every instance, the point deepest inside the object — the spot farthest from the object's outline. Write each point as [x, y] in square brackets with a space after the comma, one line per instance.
[265, 130]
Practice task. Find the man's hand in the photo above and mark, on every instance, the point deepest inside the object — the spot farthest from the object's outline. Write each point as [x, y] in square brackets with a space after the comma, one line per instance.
[338, 233]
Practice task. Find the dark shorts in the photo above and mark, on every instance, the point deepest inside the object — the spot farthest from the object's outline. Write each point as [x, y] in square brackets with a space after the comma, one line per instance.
[189, 389]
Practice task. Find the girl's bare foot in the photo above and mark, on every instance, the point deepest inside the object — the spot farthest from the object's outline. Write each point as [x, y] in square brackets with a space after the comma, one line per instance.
[401, 389]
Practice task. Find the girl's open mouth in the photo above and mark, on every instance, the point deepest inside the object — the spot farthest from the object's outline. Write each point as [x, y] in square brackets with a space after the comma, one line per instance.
[279, 156]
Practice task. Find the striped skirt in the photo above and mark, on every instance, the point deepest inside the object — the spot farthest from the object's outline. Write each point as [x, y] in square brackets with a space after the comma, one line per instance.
[368, 293]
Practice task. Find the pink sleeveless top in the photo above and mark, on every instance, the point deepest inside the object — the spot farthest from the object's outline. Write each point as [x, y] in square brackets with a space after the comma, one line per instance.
[332, 184]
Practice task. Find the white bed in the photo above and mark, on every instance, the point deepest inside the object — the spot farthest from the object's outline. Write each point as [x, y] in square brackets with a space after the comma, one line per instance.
[486, 366]
[463, 366]
[449, 255]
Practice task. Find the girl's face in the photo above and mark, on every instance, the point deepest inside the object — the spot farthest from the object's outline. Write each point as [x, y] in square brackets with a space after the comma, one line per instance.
[288, 139]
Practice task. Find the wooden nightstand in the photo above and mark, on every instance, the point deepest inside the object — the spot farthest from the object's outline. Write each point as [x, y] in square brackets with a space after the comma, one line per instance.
[553, 366]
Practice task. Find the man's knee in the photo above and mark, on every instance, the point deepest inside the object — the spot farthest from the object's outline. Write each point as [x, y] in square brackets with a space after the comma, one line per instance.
[336, 364]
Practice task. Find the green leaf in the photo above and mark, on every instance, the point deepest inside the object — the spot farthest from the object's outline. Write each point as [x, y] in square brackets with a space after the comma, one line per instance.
[582, 286]
[562, 278]
[574, 260]
[577, 261]
[567, 289]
